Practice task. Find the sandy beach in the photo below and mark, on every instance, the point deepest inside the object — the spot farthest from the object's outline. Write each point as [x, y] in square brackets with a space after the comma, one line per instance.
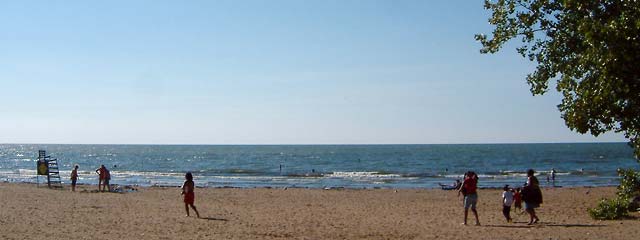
[29, 212]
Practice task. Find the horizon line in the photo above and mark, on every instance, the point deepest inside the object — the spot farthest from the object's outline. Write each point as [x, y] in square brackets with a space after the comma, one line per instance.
[309, 144]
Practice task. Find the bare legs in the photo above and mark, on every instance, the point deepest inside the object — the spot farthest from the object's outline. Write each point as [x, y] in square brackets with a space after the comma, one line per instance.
[475, 213]
[532, 216]
[466, 212]
[102, 185]
[186, 208]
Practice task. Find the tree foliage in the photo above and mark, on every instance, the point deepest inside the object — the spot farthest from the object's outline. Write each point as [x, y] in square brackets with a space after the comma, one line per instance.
[629, 187]
[590, 47]
[609, 209]
[624, 202]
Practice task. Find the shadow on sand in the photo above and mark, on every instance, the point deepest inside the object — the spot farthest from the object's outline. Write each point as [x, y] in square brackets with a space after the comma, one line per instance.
[573, 225]
[544, 225]
[214, 219]
[509, 226]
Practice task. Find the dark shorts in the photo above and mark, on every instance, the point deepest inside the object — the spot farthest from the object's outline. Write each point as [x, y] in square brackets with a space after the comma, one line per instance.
[506, 211]
[73, 182]
[530, 206]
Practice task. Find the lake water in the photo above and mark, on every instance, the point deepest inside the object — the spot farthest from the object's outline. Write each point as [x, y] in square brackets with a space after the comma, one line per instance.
[319, 166]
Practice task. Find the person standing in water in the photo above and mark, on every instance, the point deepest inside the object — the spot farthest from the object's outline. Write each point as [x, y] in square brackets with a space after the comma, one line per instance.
[188, 194]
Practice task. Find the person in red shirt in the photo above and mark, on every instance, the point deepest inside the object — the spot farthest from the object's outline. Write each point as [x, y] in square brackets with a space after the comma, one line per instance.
[517, 199]
[468, 189]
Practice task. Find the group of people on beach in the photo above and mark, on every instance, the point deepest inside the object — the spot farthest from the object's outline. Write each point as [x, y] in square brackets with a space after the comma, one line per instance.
[530, 194]
[104, 176]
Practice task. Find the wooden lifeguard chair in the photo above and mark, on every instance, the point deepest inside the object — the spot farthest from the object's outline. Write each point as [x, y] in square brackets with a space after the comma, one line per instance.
[49, 166]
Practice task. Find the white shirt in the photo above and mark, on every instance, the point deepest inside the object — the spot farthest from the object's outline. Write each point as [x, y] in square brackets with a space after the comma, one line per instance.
[508, 198]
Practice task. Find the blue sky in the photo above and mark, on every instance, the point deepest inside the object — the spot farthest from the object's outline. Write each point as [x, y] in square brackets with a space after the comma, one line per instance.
[264, 72]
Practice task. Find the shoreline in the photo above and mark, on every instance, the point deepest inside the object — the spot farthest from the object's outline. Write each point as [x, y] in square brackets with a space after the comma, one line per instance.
[67, 185]
[320, 166]
[295, 213]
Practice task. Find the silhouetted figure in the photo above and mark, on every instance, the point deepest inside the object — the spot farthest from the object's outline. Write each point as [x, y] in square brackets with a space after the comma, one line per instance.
[74, 177]
[532, 196]
[188, 192]
[103, 178]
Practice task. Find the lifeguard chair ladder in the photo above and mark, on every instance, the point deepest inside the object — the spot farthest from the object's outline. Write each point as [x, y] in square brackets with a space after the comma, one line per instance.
[53, 172]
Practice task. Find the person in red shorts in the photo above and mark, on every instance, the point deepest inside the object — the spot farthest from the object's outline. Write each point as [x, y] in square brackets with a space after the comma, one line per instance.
[188, 194]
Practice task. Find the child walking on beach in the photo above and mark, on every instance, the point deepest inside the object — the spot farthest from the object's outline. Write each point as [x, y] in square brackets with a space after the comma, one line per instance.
[188, 194]
[507, 200]
[517, 200]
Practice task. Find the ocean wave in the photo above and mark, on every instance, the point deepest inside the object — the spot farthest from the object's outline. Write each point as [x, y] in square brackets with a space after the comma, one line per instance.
[235, 171]
[242, 178]
[248, 177]
[306, 175]
[427, 175]
[362, 175]
[145, 174]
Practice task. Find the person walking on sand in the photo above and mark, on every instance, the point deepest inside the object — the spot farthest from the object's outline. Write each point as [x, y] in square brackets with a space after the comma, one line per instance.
[517, 200]
[468, 189]
[188, 194]
[507, 200]
[532, 196]
[74, 177]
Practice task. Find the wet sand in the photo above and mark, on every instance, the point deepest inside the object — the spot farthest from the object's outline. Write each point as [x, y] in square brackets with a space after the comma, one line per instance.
[29, 212]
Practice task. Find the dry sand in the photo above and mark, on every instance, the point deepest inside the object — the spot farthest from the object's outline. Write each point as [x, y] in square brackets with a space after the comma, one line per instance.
[28, 212]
